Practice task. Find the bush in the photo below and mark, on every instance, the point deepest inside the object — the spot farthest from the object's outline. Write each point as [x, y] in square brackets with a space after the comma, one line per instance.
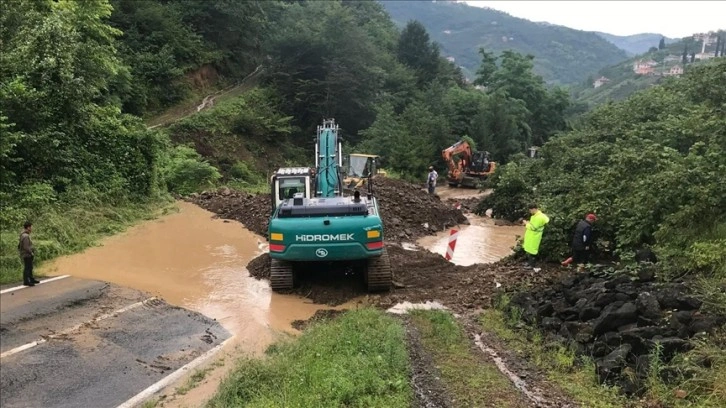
[185, 172]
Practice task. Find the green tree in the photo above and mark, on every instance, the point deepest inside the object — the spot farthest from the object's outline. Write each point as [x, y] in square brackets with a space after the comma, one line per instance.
[55, 91]
[488, 67]
[661, 44]
[416, 51]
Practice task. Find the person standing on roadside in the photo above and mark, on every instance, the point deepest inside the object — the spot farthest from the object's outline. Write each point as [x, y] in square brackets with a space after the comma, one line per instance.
[27, 253]
[533, 234]
[431, 181]
[582, 240]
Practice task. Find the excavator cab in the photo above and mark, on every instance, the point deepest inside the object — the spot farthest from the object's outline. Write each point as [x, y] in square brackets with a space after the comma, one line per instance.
[360, 167]
[480, 162]
[289, 181]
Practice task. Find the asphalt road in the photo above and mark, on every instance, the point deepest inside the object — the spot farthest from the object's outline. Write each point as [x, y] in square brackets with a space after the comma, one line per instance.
[100, 344]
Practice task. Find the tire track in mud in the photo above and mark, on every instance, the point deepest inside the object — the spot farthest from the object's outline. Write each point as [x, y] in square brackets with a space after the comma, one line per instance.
[429, 390]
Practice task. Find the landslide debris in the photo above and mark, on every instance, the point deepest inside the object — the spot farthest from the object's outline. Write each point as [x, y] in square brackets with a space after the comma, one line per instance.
[418, 276]
[618, 320]
[407, 211]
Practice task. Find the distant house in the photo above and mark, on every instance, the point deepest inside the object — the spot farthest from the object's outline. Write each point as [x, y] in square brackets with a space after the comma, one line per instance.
[644, 67]
[600, 82]
[447, 31]
[450, 59]
[704, 56]
[672, 58]
[675, 70]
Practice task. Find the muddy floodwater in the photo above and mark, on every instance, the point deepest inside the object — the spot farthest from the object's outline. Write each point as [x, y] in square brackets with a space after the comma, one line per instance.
[480, 242]
[195, 261]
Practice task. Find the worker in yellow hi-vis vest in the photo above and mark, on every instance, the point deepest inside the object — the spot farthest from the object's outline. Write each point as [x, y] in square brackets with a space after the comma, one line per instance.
[533, 234]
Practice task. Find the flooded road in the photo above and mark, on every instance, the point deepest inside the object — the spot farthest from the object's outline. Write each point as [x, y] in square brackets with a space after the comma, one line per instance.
[479, 242]
[198, 262]
[194, 261]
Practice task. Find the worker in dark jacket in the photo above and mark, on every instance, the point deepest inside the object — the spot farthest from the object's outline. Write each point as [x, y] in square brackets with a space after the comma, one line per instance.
[582, 240]
[27, 252]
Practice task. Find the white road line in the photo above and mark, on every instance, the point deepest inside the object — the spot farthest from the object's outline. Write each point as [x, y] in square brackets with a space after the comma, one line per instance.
[72, 329]
[176, 375]
[41, 282]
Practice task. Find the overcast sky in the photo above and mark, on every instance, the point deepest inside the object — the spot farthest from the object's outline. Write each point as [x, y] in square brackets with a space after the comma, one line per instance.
[673, 19]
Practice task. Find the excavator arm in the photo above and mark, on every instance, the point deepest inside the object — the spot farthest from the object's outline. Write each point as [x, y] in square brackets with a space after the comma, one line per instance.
[328, 161]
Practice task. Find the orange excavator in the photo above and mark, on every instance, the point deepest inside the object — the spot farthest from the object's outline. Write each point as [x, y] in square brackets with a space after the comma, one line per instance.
[466, 168]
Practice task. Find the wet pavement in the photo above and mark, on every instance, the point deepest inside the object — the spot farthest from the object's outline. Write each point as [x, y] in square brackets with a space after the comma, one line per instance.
[82, 343]
[195, 261]
[190, 260]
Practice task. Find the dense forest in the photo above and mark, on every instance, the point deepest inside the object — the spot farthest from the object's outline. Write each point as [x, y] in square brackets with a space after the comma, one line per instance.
[80, 82]
[562, 55]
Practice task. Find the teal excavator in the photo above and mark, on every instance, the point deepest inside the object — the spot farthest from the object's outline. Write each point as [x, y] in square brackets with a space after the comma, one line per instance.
[313, 222]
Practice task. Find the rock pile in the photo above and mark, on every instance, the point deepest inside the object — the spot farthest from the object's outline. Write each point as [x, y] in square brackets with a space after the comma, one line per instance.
[619, 321]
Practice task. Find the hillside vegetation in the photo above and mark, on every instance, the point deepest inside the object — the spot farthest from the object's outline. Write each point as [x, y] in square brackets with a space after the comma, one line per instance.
[624, 81]
[650, 166]
[562, 55]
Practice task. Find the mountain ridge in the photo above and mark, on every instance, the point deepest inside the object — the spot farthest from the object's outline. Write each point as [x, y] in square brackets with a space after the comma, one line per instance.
[635, 44]
[562, 55]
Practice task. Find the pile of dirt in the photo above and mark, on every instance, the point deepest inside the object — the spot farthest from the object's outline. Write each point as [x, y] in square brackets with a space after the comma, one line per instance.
[418, 276]
[619, 320]
[253, 211]
[410, 213]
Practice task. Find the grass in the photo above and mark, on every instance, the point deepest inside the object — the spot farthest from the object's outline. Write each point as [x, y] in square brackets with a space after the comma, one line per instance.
[67, 228]
[152, 403]
[471, 381]
[194, 380]
[356, 360]
[573, 374]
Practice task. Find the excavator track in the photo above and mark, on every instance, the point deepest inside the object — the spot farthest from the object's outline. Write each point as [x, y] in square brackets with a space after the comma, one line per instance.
[281, 275]
[379, 273]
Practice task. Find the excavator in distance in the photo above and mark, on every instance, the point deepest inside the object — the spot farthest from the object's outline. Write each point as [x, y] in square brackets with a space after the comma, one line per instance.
[312, 221]
[470, 169]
